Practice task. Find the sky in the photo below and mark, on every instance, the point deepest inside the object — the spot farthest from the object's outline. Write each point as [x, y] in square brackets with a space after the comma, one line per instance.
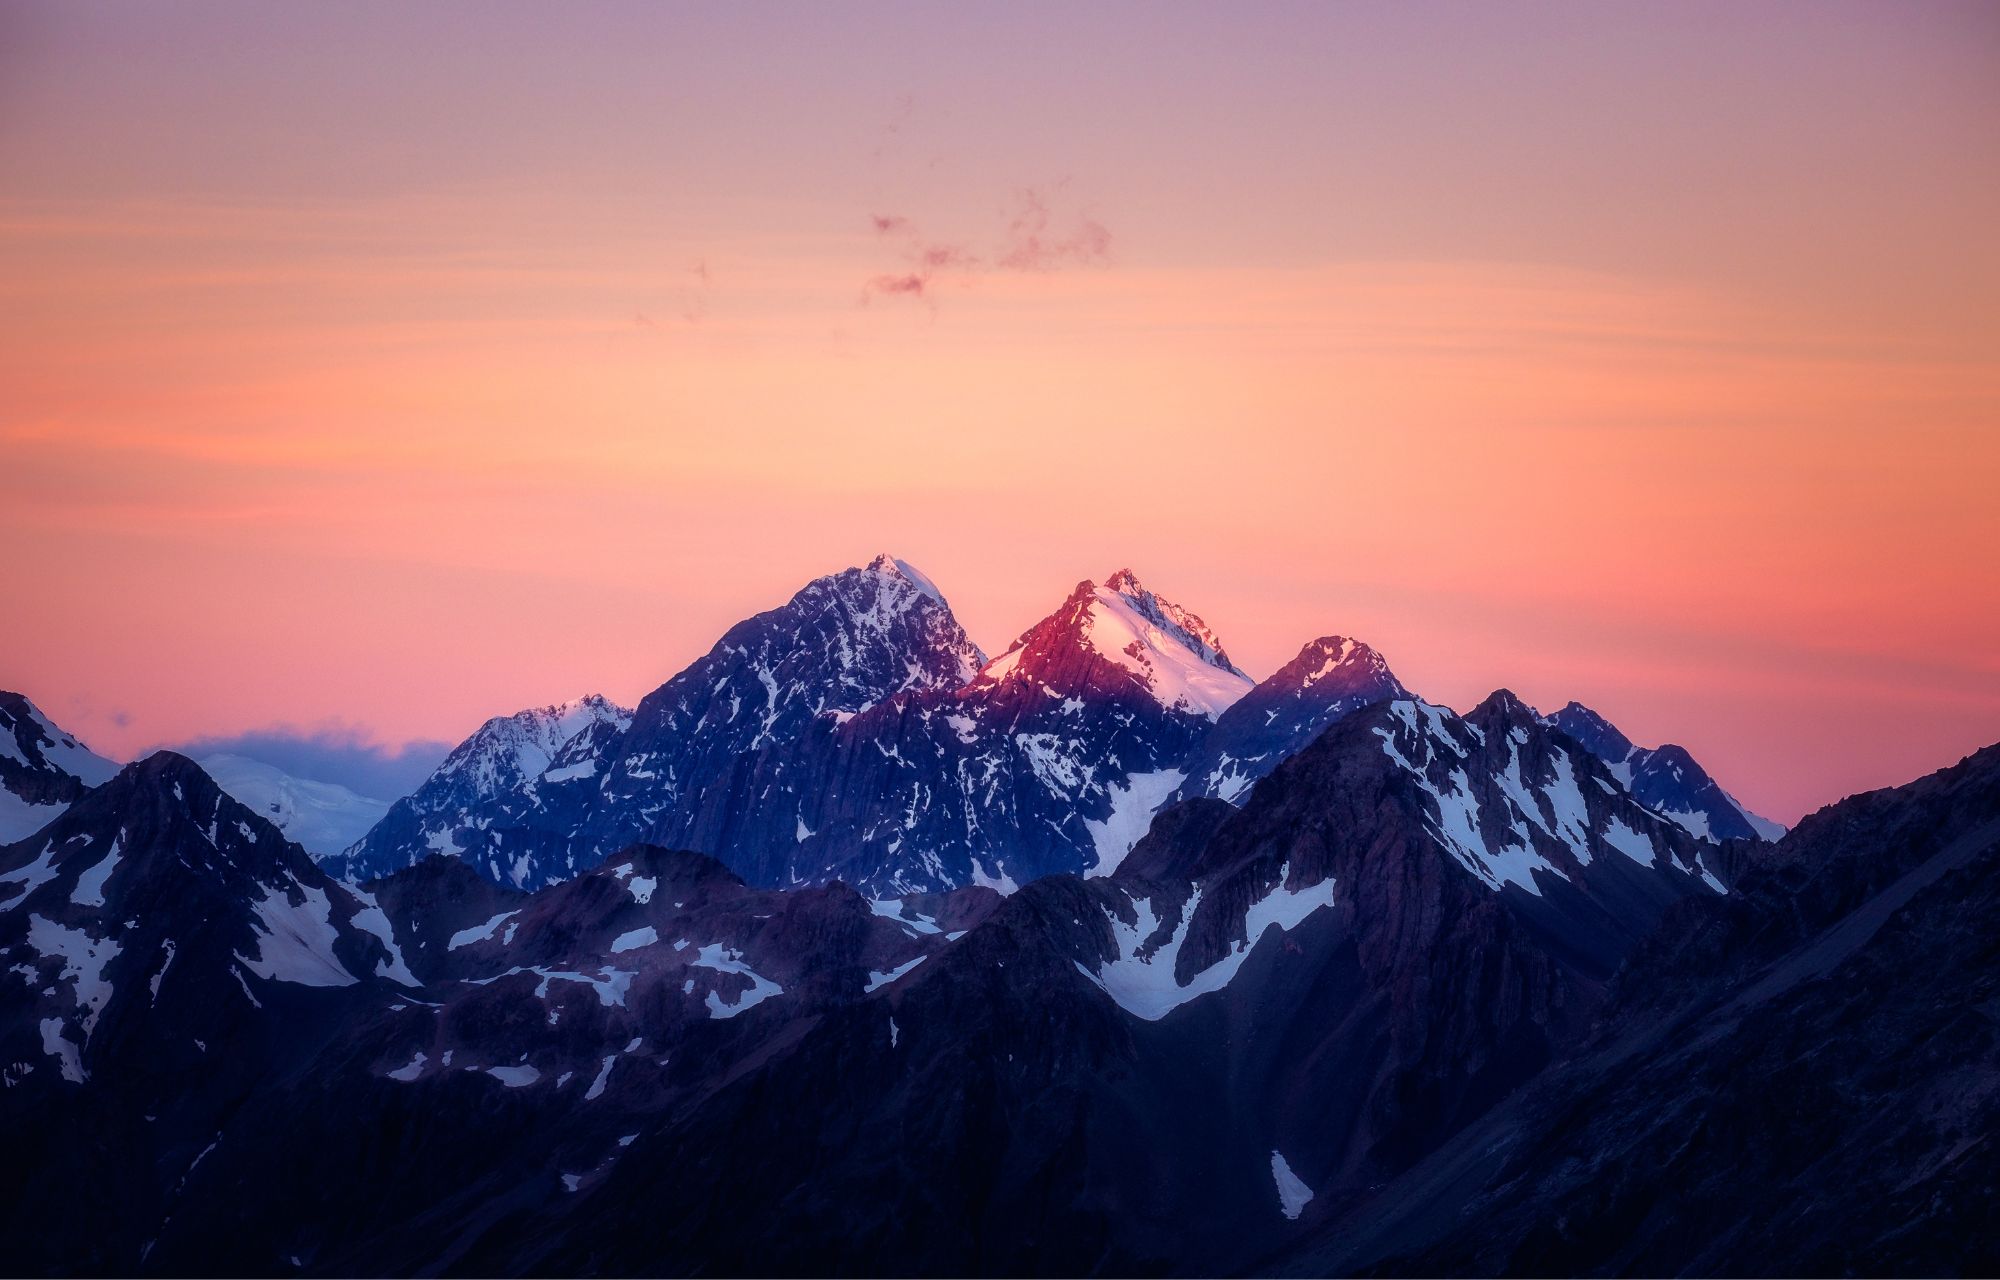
[373, 369]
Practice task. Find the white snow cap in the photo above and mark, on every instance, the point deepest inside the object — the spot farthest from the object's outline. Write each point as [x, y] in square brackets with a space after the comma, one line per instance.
[890, 566]
[509, 749]
[1332, 654]
[1170, 649]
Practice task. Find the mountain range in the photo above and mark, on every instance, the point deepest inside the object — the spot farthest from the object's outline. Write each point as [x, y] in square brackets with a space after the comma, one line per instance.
[851, 950]
[856, 733]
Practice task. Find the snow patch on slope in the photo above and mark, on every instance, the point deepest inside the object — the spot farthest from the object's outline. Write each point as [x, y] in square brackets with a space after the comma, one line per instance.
[1457, 823]
[1293, 1194]
[297, 941]
[1132, 808]
[1142, 982]
[726, 959]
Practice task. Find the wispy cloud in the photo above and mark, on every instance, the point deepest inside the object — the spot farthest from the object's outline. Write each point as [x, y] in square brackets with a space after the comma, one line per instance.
[926, 261]
[1036, 238]
[1036, 243]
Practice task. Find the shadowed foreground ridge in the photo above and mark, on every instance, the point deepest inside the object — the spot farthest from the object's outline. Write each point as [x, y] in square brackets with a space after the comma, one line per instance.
[1803, 1079]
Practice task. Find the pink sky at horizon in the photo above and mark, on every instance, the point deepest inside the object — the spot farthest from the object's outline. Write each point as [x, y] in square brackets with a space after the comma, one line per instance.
[402, 368]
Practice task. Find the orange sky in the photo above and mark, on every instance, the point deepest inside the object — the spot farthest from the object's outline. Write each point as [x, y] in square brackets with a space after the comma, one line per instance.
[405, 368]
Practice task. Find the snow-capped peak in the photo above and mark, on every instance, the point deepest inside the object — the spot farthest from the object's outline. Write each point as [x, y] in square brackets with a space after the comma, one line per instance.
[1182, 667]
[889, 566]
[571, 718]
[891, 621]
[508, 750]
[1123, 627]
[1337, 658]
[1182, 624]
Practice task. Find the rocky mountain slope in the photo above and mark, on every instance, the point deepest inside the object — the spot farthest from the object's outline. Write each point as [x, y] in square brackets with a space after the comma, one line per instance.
[42, 769]
[483, 802]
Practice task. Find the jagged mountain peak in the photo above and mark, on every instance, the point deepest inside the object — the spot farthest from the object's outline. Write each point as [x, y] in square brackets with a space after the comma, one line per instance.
[530, 804]
[167, 803]
[161, 819]
[167, 775]
[1184, 624]
[590, 705]
[29, 736]
[902, 570]
[885, 612]
[567, 719]
[1666, 779]
[1517, 802]
[1331, 677]
[1596, 733]
[157, 890]
[1111, 638]
[508, 750]
[1504, 709]
[1332, 660]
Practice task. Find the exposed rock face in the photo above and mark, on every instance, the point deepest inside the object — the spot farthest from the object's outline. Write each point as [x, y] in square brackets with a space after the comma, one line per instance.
[168, 957]
[157, 886]
[1666, 780]
[842, 645]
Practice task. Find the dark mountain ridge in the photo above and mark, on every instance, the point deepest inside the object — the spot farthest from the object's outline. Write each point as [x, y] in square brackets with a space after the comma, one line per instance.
[1797, 1079]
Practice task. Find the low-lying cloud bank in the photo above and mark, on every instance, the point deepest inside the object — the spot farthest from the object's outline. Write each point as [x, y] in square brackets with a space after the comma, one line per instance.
[347, 754]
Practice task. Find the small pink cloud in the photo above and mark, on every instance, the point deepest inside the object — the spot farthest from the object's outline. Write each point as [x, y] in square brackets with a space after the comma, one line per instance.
[1034, 239]
[913, 285]
[927, 260]
[1035, 244]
